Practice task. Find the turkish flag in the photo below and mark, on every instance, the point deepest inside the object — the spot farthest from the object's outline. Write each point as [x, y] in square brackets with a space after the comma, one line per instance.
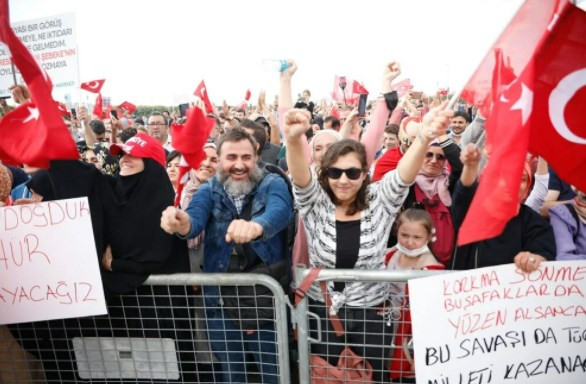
[402, 87]
[202, 92]
[98, 110]
[34, 133]
[189, 139]
[558, 121]
[128, 107]
[519, 115]
[346, 95]
[516, 47]
[63, 109]
[26, 139]
[248, 94]
[358, 88]
[93, 86]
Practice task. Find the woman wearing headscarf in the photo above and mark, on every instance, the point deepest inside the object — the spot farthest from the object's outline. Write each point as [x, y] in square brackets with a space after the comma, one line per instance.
[125, 213]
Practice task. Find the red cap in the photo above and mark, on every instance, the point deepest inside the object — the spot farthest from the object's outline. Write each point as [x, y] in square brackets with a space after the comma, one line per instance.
[143, 146]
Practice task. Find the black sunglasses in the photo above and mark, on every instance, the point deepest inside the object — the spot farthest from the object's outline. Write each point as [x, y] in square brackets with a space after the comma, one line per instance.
[438, 156]
[351, 173]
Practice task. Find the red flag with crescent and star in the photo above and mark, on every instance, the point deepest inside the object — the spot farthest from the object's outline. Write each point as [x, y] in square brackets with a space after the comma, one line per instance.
[537, 110]
[128, 107]
[94, 86]
[34, 133]
[202, 92]
[189, 139]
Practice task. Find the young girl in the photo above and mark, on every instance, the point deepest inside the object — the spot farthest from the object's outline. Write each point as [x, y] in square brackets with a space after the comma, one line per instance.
[414, 237]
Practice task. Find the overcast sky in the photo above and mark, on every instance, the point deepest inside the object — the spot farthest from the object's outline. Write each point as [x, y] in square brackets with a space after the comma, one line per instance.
[156, 52]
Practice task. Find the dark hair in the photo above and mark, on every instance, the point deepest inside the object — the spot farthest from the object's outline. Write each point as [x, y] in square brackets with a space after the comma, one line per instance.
[241, 110]
[258, 132]
[334, 152]
[98, 127]
[127, 133]
[158, 114]
[235, 135]
[392, 129]
[463, 114]
[418, 215]
[334, 120]
[172, 155]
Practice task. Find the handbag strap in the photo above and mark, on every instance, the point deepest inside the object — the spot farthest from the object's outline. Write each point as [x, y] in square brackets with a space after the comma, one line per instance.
[301, 291]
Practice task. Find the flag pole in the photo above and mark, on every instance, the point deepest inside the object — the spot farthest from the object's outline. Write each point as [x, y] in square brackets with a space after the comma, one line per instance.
[13, 72]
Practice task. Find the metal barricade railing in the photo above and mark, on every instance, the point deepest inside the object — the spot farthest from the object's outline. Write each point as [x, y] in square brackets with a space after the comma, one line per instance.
[168, 331]
[370, 333]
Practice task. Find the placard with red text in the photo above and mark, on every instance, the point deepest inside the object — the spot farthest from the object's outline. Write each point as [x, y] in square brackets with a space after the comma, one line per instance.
[500, 325]
[48, 263]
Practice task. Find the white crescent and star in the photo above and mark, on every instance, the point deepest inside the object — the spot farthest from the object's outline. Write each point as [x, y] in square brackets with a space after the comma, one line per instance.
[559, 98]
[524, 104]
[33, 114]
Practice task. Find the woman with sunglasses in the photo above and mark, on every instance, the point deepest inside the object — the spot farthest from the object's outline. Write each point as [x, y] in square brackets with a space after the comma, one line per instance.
[347, 222]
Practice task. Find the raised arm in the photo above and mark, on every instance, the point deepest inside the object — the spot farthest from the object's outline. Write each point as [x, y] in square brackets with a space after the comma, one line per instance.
[295, 125]
[372, 137]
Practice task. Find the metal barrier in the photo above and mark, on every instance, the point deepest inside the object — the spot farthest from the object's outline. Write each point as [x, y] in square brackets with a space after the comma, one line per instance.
[163, 333]
[378, 337]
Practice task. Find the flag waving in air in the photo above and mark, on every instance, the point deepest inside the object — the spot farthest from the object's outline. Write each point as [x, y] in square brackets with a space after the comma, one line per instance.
[531, 88]
[202, 93]
[128, 107]
[189, 139]
[93, 86]
[34, 133]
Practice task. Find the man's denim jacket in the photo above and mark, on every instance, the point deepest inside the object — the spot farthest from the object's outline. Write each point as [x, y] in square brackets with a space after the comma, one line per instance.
[212, 209]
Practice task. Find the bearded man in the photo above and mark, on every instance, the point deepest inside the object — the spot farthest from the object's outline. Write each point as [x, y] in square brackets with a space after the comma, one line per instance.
[245, 212]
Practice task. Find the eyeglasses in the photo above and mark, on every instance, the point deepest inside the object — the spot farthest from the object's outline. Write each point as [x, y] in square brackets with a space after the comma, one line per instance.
[438, 156]
[351, 173]
[158, 124]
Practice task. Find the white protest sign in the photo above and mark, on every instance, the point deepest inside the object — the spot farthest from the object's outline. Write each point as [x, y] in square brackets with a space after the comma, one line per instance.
[48, 263]
[51, 41]
[499, 325]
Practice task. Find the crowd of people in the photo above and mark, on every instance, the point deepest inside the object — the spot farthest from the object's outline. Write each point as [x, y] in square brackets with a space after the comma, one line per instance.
[388, 190]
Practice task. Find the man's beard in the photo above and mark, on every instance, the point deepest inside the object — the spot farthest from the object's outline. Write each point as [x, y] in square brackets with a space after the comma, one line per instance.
[240, 187]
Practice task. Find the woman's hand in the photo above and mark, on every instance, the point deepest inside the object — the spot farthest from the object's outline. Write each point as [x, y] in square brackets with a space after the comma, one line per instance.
[435, 123]
[528, 262]
[107, 259]
[296, 123]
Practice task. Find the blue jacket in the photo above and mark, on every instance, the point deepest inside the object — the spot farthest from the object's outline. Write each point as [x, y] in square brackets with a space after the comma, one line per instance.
[212, 209]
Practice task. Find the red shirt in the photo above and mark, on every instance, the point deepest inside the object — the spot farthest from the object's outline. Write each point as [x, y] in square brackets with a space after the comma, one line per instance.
[386, 163]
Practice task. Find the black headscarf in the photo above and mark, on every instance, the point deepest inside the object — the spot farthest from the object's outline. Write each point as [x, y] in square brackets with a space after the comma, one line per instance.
[126, 213]
[41, 183]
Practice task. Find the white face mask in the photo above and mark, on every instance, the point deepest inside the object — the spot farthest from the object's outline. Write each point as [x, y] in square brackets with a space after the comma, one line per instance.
[412, 252]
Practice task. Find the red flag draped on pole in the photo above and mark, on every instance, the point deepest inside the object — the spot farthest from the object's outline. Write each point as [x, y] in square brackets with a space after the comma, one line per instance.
[545, 44]
[189, 139]
[98, 110]
[347, 94]
[248, 94]
[202, 92]
[358, 88]
[94, 86]
[34, 133]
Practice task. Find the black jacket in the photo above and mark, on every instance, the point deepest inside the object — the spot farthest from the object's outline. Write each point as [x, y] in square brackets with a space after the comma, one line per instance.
[525, 232]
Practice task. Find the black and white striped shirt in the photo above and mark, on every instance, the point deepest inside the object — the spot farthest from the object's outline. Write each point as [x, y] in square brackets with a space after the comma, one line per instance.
[319, 217]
